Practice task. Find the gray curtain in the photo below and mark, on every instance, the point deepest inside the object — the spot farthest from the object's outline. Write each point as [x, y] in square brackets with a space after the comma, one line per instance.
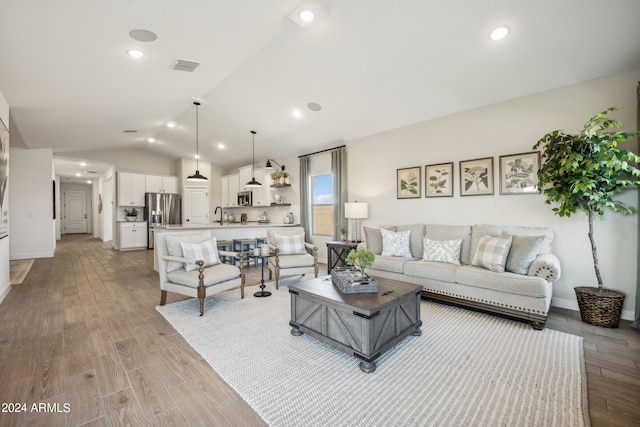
[305, 217]
[636, 324]
[339, 170]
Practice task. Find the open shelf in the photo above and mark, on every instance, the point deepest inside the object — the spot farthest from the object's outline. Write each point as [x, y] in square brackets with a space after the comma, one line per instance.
[280, 204]
[280, 185]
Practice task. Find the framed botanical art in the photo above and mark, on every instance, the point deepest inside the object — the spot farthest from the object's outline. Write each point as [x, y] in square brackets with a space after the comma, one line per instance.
[408, 183]
[438, 180]
[476, 177]
[519, 173]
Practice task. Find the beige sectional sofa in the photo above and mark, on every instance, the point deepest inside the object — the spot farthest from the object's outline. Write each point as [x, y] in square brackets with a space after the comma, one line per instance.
[525, 294]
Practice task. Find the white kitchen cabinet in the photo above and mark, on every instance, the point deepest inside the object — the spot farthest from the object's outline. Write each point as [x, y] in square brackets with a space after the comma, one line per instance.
[234, 188]
[262, 195]
[161, 184]
[244, 177]
[132, 235]
[131, 189]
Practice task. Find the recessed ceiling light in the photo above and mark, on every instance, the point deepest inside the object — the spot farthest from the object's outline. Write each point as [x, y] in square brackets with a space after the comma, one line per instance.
[83, 164]
[151, 140]
[135, 53]
[89, 182]
[143, 35]
[499, 33]
[196, 156]
[221, 146]
[78, 174]
[307, 15]
[297, 114]
[171, 124]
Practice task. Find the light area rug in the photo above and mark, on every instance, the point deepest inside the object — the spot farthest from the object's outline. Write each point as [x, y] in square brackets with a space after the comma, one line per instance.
[19, 269]
[467, 368]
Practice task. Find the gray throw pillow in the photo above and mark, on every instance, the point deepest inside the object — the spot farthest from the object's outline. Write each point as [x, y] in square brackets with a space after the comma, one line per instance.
[523, 252]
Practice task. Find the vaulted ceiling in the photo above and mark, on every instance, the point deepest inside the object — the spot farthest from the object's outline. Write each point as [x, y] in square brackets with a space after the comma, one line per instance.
[371, 65]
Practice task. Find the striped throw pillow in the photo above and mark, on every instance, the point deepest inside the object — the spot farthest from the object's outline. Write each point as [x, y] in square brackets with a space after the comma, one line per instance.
[290, 244]
[206, 251]
[492, 253]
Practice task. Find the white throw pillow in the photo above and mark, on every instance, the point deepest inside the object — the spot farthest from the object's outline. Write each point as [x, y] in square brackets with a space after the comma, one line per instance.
[442, 250]
[492, 253]
[206, 251]
[290, 244]
[396, 244]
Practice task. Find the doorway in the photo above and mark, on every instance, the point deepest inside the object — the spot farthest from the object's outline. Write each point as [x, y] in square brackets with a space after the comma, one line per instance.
[196, 205]
[75, 212]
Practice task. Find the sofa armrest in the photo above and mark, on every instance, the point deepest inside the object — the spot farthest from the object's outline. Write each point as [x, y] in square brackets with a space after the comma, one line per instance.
[546, 266]
[229, 253]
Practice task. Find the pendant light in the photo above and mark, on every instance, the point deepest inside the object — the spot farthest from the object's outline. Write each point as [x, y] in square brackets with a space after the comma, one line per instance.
[253, 182]
[197, 177]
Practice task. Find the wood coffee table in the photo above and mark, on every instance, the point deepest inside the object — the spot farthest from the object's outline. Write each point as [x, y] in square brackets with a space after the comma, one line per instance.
[364, 325]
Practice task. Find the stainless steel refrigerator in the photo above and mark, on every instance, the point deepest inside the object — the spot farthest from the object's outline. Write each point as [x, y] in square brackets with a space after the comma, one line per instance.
[160, 209]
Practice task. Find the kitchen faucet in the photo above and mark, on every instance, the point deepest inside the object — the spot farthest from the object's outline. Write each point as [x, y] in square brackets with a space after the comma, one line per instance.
[216, 211]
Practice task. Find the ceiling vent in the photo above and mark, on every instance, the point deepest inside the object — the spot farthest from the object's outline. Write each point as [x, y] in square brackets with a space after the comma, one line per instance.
[181, 65]
[130, 131]
[90, 172]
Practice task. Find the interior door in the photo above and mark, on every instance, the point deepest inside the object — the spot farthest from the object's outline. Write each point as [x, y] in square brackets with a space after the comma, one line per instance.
[75, 211]
[196, 205]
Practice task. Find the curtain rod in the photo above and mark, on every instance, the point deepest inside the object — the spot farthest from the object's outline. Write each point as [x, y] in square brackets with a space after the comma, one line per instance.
[322, 151]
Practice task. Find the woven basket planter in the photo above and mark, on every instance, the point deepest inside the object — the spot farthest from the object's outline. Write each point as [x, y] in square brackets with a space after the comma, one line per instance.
[600, 307]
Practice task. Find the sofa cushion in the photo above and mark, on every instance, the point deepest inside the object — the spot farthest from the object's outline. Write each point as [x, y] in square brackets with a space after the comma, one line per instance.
[293, 261]
[512, 283]
[447, 251]
[523, 252]
[373, 237]
[396, 244]
[174, 248]
[430, 270]
[206, 251]
[212, 275]
[390, 263]
[492, 252]
[290, 244]
[415, 238]
[452, 232]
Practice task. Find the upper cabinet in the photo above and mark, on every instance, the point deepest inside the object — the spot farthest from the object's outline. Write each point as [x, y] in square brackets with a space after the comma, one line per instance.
[161, 184]
[232, 193]
[244, 177]
[262, 195]
[131, 189]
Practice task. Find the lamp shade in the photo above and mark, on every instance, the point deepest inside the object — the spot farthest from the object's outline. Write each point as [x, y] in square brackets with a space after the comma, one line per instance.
[356, 210]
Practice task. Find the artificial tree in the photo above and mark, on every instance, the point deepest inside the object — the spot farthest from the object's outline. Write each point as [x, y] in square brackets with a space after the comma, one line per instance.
[585, 171]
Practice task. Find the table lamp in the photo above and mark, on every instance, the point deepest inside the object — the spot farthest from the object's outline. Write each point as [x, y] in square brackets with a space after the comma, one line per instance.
[356, 211]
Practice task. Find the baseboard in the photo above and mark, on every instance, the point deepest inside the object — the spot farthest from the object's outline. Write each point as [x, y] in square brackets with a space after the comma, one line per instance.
[573, 305]
[14, 257]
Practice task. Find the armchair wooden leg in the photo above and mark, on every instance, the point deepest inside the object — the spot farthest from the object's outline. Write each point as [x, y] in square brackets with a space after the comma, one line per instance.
[201, 289]
[242, 282]
[277, 277]
[163, 297]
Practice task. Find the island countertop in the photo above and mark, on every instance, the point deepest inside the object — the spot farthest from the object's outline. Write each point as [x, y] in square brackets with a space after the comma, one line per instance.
[226, 225]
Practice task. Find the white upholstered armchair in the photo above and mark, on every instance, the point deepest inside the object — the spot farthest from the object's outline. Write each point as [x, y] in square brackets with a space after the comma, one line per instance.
[293, 255]
[189, 264]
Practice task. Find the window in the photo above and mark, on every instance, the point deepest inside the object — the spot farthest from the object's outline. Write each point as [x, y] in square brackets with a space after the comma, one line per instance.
[322, 206]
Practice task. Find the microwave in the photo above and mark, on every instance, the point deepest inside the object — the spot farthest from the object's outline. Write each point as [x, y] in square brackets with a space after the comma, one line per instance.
[245, 198]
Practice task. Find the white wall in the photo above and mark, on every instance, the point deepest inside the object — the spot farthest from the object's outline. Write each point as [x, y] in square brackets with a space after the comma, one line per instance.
[131, 160]
[5, 284]
[501, 129]
[31, 199]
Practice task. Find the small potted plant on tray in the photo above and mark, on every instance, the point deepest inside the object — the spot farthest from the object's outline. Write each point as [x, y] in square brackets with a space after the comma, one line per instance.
[361, 258]
[584, 172]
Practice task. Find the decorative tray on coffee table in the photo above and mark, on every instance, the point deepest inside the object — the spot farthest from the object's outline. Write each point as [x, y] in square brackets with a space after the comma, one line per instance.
[349, 281]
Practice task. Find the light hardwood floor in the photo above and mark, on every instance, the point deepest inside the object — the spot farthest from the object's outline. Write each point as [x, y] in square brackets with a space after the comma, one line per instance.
[82, 330]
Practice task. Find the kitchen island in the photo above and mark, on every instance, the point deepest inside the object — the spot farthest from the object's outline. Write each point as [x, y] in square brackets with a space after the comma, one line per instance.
[225, 231]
